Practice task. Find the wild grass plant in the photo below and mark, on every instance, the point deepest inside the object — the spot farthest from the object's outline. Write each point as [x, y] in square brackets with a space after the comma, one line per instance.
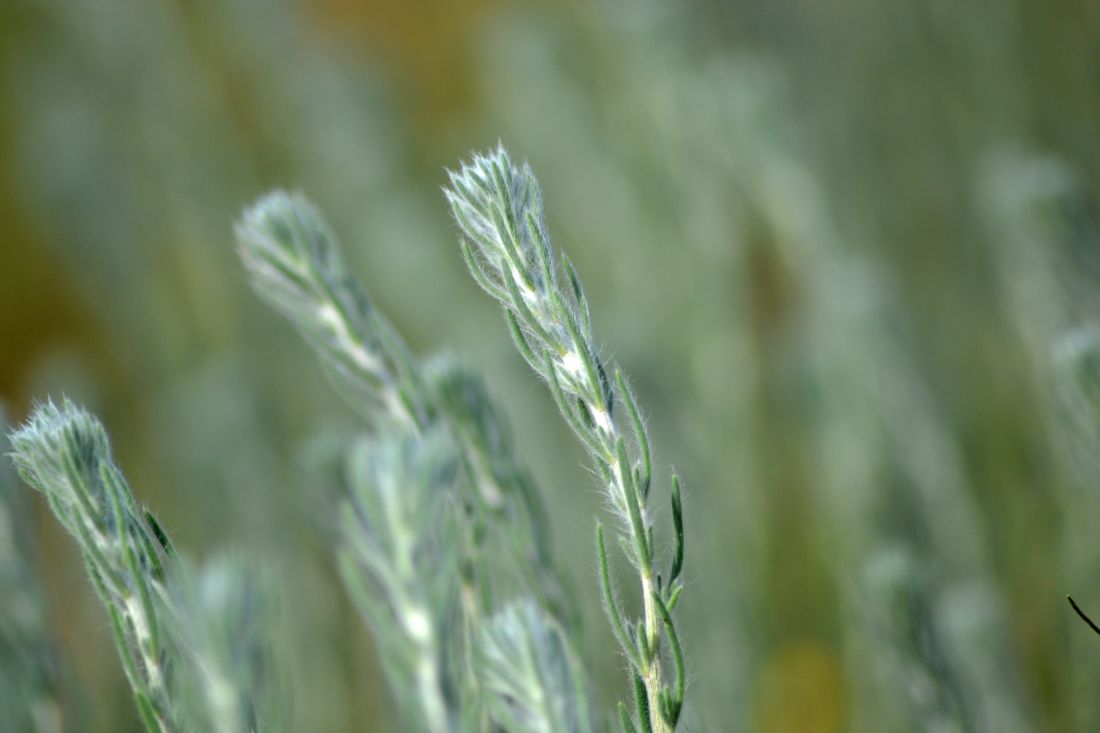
[498, 206]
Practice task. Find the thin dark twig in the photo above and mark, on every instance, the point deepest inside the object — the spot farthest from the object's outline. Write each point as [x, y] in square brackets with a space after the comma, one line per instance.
[1083, 615]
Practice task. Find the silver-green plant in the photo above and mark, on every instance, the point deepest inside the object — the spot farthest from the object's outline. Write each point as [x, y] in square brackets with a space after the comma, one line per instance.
[531, 678]
[498, 206]
[64, 453]
[418, 412]
[171, 642]
[221, 620]
[397, 556]
[490, 458]
[30, 680]
[906, 659]
[294, 262]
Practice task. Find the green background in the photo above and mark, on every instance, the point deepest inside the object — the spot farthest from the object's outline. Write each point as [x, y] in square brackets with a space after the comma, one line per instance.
[847, 251]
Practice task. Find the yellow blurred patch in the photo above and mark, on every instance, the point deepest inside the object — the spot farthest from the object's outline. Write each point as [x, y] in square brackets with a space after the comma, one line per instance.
[800, 690]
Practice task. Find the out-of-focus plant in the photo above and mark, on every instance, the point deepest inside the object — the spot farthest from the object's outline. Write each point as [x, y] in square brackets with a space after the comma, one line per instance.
[1038, 208]
[295, 264]
[423, 417]
[530, 673]
[221, 622]
[30, 678]
[399, 557]
[905, 659]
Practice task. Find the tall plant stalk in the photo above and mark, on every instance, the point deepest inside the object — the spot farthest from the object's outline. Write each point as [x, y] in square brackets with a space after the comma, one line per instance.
[498, 206]
[64, 453]
[172, 642]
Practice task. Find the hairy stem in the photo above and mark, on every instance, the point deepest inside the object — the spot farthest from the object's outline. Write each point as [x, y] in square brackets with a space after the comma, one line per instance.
[498, 207]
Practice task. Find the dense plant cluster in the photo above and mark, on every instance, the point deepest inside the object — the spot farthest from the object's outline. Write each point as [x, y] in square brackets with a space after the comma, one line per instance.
[435, 527]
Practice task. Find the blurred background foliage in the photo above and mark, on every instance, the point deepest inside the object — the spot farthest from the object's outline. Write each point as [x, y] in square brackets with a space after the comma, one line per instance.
[847, 250]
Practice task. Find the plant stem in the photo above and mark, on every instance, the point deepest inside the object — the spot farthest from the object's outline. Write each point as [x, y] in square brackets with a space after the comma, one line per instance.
[498, 206]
